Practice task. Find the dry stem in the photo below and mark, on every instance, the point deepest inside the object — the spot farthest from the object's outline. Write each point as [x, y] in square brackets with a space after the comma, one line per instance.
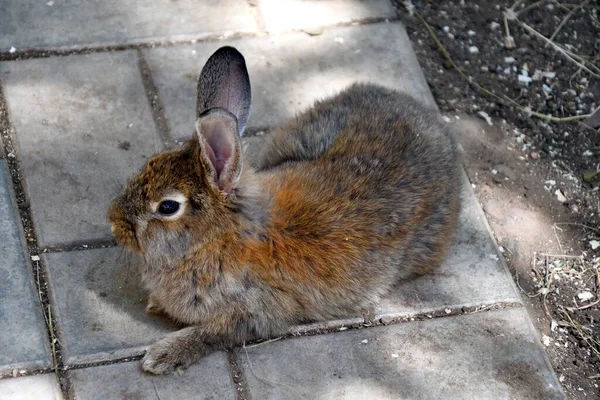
[503, 99]
[565, 19]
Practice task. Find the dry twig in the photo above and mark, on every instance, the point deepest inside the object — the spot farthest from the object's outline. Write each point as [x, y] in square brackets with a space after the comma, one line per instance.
[565, 19]
[502, 99]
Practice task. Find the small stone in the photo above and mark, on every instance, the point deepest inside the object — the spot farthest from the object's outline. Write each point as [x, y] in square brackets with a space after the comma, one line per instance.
[448, 311]
[365, 341]
[509, 60]
[546, 340]
[394, 355]
[547, 90]
[12, 50]
[534, 156]
[446, 29]
[35, 258]
[560, 196]
[485, 116]
[473, 50]
[471, 33]
[594, 244]
[313, 31]
[585, 296]
[494, 257]
[587, 153]
[523, 78]
[494, 25]
[505, 171]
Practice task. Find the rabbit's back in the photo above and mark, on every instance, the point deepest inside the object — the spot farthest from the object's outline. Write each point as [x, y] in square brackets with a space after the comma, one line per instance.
[371, 167]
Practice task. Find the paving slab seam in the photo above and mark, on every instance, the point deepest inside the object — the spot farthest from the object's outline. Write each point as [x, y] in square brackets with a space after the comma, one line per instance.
[29, 53]
[236, 373]
[33, 53]
[156, 106]
[119, 360]
[322, 328]
[315, 329]
[38, 267]
[79, 246]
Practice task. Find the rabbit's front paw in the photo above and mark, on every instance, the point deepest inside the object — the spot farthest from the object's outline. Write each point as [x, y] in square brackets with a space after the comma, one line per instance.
[169, 354]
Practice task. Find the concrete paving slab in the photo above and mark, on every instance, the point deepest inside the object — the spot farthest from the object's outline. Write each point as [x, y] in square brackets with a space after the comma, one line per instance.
[207, 379]
[84, 126]
[473, 274]
[36, 387]
[286, 15]
[100, 305]
[27, 24]
[289, 72]
[489, 355]
[23, 337]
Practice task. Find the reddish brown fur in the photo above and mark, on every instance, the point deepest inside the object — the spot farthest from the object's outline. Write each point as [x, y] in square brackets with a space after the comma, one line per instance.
[352, 196]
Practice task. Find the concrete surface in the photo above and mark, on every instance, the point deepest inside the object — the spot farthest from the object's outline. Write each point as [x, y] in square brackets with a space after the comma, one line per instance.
[491, 355]
[83, 124]
[283, 15]
[290, 71]
[43, 24]
[472, 274]
[206, 380]
[37, 387]
[23, 339]
[100, 305]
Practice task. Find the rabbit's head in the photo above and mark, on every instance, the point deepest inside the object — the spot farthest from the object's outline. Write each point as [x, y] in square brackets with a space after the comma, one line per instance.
[183, 193]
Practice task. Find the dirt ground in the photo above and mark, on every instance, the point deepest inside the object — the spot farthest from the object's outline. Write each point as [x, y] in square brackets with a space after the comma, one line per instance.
[536, 177]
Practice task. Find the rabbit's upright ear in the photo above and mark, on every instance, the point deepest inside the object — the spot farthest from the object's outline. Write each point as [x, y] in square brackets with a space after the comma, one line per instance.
[220, 148]
[224, 83]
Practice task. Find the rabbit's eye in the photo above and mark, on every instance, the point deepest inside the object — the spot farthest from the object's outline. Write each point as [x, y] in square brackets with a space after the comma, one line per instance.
[168, 207]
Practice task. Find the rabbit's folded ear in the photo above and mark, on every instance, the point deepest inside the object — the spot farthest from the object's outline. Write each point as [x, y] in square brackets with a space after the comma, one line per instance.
[220, 148]
[224, 83]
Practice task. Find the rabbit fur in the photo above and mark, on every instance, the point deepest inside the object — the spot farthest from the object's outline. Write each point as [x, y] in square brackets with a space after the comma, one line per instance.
[350, 197]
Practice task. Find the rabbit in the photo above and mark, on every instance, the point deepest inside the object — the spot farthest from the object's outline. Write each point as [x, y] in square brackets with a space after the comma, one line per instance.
[350, 197]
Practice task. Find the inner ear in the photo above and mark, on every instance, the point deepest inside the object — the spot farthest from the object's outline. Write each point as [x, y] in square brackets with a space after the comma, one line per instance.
[220, 147]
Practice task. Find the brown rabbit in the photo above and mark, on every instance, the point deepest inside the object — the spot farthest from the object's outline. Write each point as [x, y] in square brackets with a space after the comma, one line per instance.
[355, 194]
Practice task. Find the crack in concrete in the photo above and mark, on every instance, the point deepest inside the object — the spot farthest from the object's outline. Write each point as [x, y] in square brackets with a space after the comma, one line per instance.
[156, 106]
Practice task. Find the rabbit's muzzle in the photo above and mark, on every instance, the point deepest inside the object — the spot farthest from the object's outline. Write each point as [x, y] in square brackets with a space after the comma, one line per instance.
[123, 230]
